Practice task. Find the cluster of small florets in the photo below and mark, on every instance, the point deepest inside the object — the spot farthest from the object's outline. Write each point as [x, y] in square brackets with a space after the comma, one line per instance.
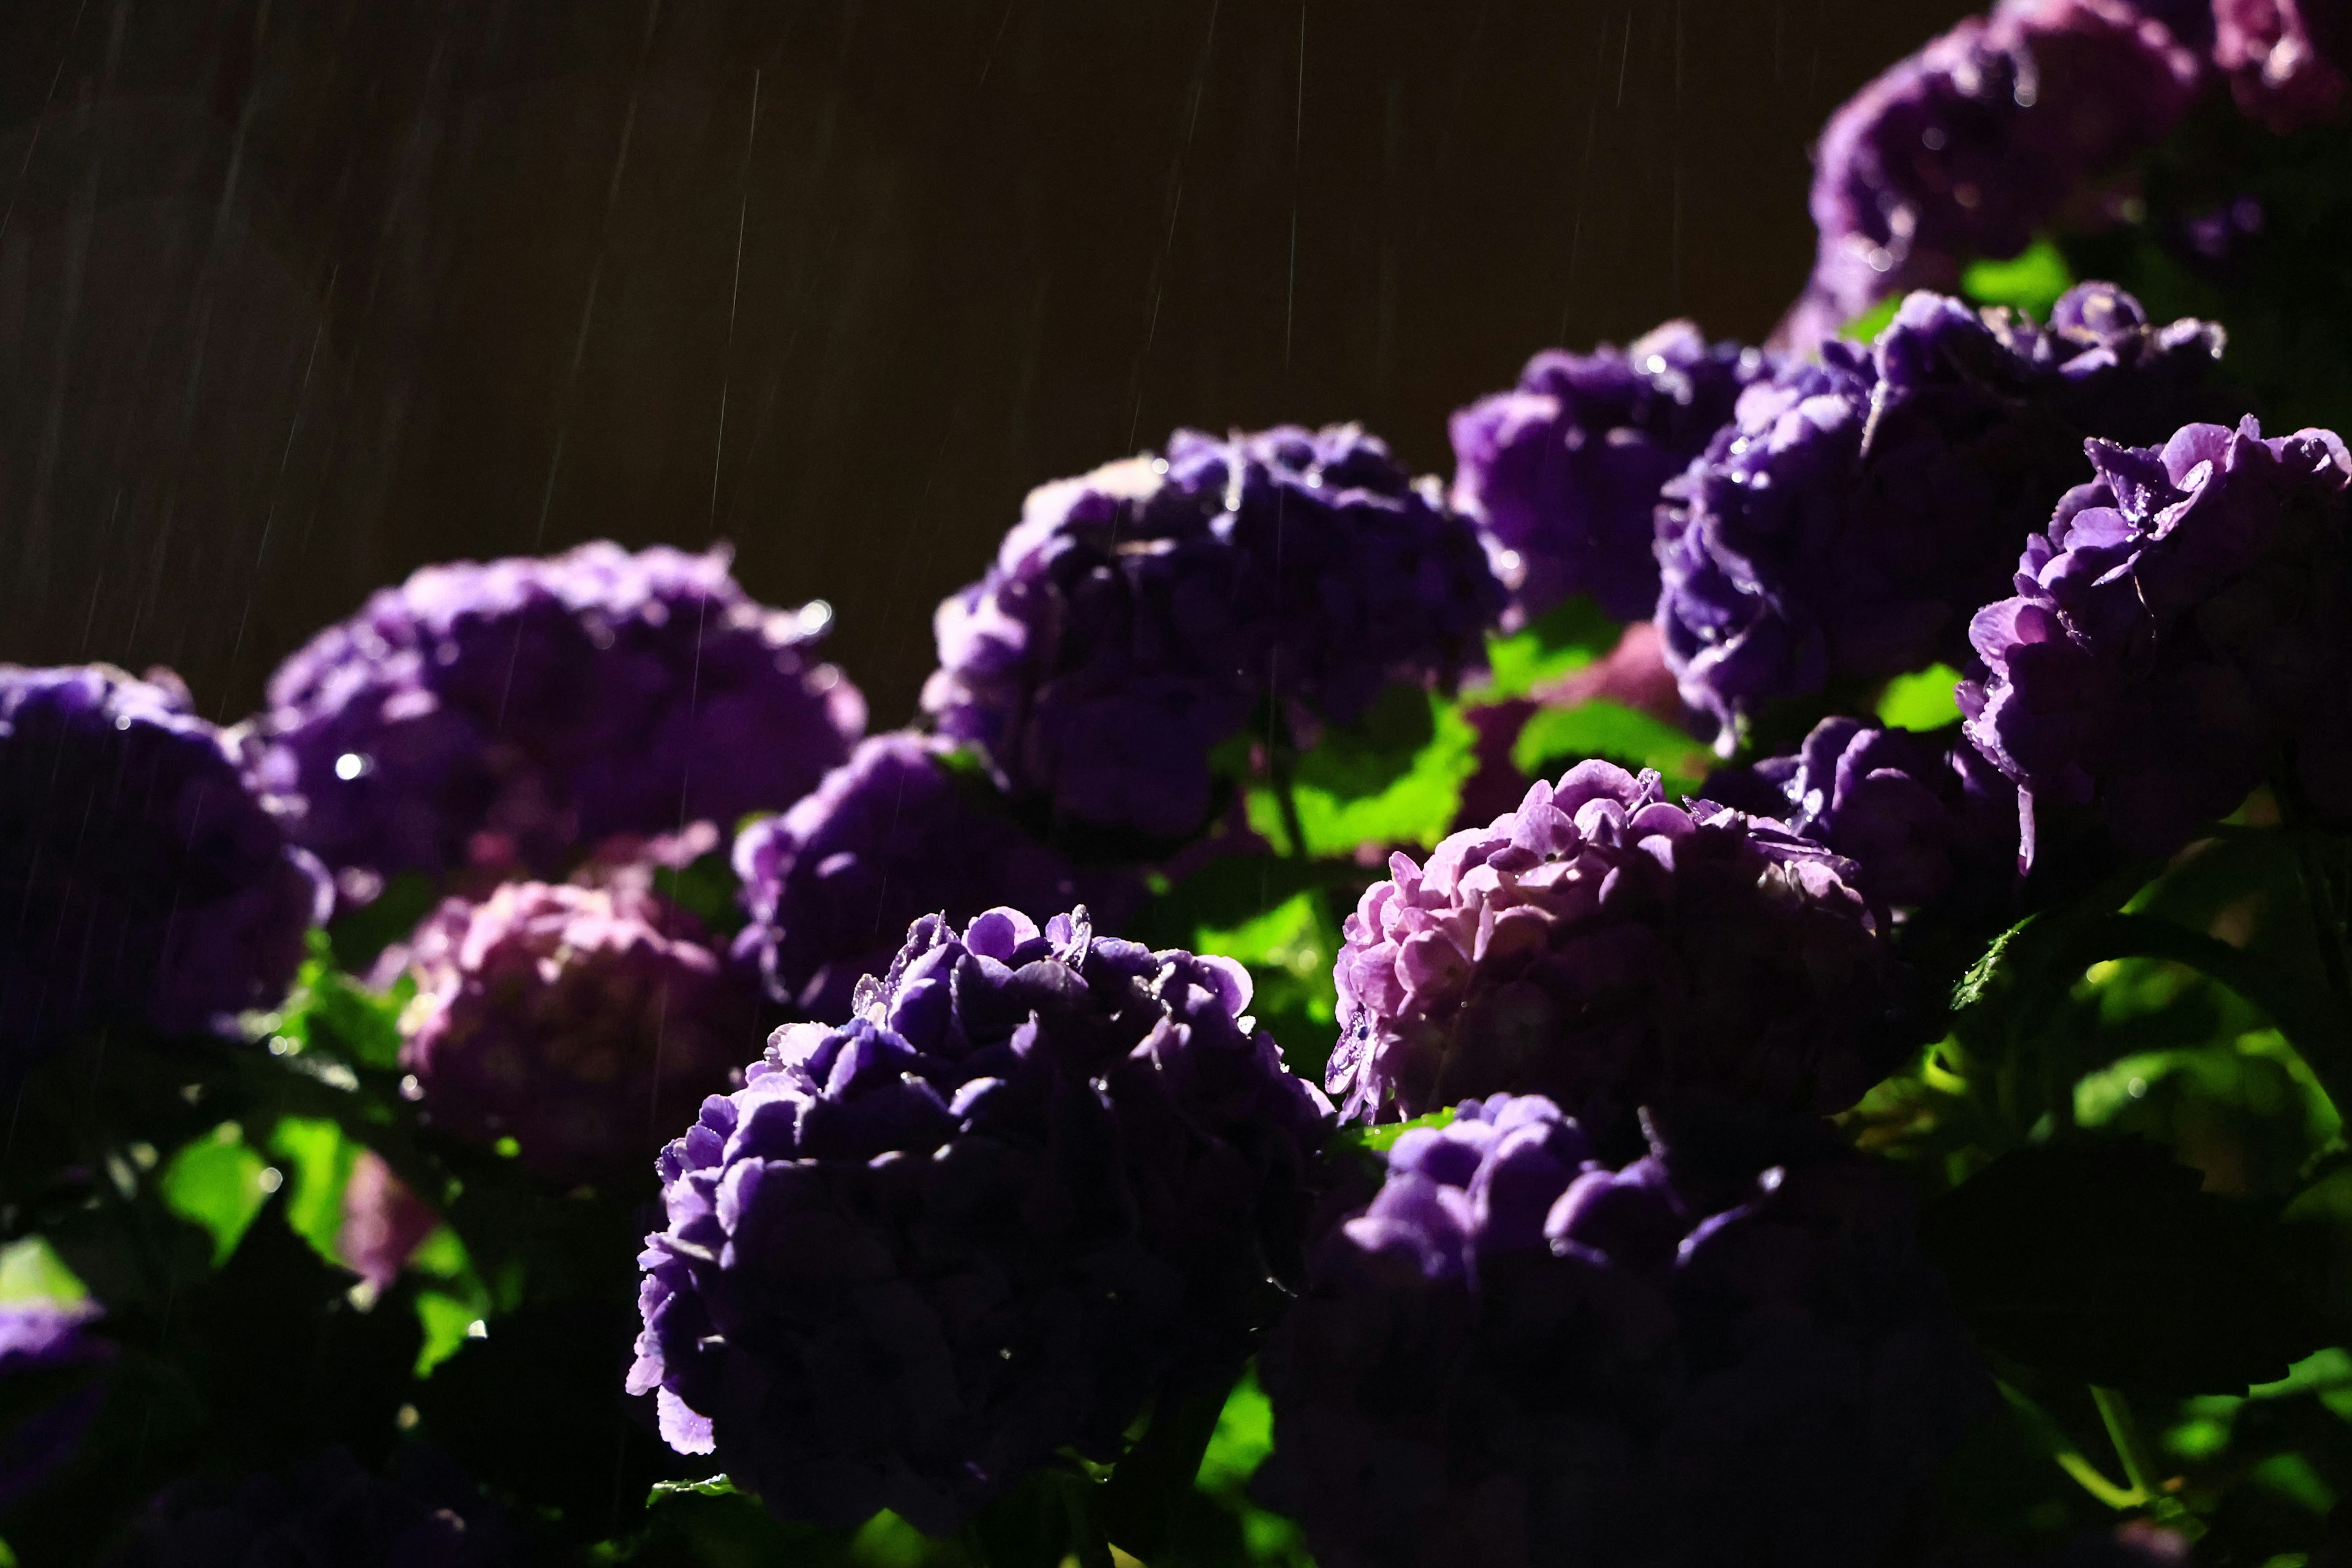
[1612, 950]
[1969, 147]
[1846, 525]
[892, 834]
[1924, 823]
[579, 1021]
[1728, 1350]
[514, 712]
[1034, 1174]
[1561, 473]
[142, 883]
[1138, 614]
[2182, 630]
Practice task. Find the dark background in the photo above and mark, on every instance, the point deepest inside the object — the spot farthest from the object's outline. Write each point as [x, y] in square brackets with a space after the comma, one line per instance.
[297, 295]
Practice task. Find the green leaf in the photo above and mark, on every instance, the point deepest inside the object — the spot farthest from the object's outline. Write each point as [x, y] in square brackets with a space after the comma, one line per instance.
[1564, 639]
[1993, 972]
[446, 1321]
[2029, 281]
[1867, 327]
[1921, 702]
[219, 1182]
[1379, 1139]
[1243, 1439]
[31, 1271]
[1289, 950]
[1393, 778]
[318, 1158]
[1555, 739]
[713, 1486]
[2104, 1261]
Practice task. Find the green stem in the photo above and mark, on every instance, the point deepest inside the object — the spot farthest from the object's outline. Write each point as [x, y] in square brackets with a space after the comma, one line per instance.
[2123, 1431]
[1285, 798]
[2063, 1451]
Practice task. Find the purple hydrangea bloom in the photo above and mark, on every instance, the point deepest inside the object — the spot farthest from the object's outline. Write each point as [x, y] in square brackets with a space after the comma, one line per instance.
[1561, 473]
[1136, 615]
[50, 1337]
[1923, 823]
[331, 1509]
[515, 712]
[578, 1021]
[2284, 59]
[1970, 147]
[1846, 525]
[139, 881]
[832, 884]
[1035, 1176]
[2184, 626]
[1610, 950]
[1728, 1349]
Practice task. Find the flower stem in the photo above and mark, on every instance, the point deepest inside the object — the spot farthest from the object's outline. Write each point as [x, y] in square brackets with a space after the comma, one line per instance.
[2123, 1431]
[2066, 1454]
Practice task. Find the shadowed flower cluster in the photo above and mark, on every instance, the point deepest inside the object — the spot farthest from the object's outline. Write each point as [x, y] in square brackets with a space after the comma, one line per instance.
[1846, 525]
[331, 1509]
[2284, 59]
[1136, 615]
[891, 835]
[1561, 473]
[1970, 146]
[140, 882]
[1728, 1349]
[577, 1021]
[1612, 950]
[1036, 1174]
[2183, 630]
[39, 1336]
[1923, 823]
[512, 712]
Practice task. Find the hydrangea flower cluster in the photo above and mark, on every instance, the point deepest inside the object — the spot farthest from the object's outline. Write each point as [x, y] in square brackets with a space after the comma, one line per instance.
[1604, 947]
[578, 1021]
[1561, 473]
[514, 712]
[1970, 146]
[330, 1510]
[2284, 59]
[1923, 823]
[918, 1253]
[2184, 626]
[38, 1335]
[1728, 1350]
[891, 835]
[140, 882]
[1846, 525]
[1138, 614]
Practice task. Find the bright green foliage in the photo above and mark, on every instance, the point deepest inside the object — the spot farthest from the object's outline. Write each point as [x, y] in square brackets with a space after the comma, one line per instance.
[2029, 281]
[1244, 1437]
[1555, 739]
[1393, 778]
[1871, 322]
[1561, 642]
[31, 1271]
[318, 1159]
[220, 1184]
[1921, 702]
[1289, 951]
[452, 1299]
